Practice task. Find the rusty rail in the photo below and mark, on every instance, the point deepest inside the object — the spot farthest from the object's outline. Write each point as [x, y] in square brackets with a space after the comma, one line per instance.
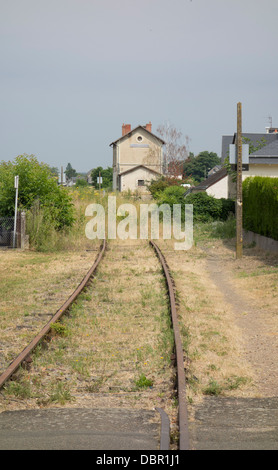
[25, 353]
[183, 416]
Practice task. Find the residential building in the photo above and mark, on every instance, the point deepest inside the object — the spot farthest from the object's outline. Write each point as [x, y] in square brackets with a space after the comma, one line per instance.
[262, 162]
[137, 158]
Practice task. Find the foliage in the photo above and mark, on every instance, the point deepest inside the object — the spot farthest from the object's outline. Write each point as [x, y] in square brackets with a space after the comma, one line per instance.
[228, 208]
[172, 195]
[224, 229]
[198, 167]
[37, 185]
[205, 207]
[260, 205]
[106, 174]
[157, 186]
[143, 382]
[253, 147]
[70, 172]
[80, 182]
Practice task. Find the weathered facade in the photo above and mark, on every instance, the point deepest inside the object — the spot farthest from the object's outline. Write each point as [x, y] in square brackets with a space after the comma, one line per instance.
[137, 158]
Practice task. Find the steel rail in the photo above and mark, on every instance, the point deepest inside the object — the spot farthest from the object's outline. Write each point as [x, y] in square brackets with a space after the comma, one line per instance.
[183, 415]
[45, 330]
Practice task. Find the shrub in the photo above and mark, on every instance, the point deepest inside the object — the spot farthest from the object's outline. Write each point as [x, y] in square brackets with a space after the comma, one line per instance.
[260, 205]
[37, 185]
[205, 207]
[228, 208]
[156, 187]
[172, 195]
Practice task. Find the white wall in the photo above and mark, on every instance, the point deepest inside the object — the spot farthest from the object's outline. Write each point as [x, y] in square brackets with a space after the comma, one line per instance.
[219, 189]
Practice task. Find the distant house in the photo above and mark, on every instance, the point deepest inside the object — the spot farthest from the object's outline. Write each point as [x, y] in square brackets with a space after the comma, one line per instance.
[137, 158]
[215, 185]
[214, 170]
[262, 162]
[71, 181]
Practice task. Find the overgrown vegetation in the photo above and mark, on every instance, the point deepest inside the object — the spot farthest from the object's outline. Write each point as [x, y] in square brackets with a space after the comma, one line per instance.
[260, 202]
[206, 208]
[37, 188]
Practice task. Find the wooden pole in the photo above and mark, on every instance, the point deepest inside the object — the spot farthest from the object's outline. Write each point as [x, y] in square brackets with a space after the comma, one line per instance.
[239, 235]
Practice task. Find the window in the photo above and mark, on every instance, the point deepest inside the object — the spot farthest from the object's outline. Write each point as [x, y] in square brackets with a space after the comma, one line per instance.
[141, 182]
[139, 138]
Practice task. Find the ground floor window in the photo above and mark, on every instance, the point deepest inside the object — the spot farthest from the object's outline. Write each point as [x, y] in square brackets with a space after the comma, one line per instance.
[141, 182]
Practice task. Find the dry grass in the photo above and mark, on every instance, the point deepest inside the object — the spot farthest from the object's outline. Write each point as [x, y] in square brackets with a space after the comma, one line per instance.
[212, 340]
[33, 287]
[115, 347]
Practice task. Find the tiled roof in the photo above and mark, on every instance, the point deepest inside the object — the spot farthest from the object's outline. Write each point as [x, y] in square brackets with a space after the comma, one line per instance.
[212, 179]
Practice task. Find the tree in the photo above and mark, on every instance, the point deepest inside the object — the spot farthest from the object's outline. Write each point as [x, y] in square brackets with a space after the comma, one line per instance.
[37, 185]
[198, 167]
[70, 172]
[176, 149]
[54, 170]
[106, 174]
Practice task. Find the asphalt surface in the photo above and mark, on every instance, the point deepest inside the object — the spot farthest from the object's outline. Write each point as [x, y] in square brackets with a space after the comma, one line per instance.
[80, 429]
[235, 424]
[217, 423]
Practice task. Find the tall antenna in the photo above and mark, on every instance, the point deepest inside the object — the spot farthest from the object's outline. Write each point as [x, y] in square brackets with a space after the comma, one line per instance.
[270, 120]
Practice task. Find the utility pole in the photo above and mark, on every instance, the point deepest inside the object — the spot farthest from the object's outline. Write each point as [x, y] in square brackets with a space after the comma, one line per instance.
[239, 235]
[62, 176]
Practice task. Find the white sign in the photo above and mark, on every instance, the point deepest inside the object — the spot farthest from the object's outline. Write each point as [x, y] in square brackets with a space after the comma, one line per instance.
[233, 156]
[16, 178]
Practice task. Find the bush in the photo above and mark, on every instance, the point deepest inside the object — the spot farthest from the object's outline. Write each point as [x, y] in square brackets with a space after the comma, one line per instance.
[205, 207]
[228, 208]
[172, 195]
[156, 187]
[260, 205]
[37, 185]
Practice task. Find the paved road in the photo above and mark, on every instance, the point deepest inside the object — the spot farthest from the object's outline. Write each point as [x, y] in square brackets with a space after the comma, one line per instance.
[235, 424]
[80, 429]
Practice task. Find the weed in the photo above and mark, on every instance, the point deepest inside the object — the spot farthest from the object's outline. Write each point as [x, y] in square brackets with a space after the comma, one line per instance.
[234, 383]
[60, 329]
[143, 382]
[60, 394]
[20, 390]
[213, 388]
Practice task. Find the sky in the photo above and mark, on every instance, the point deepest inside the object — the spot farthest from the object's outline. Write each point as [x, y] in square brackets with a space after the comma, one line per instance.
[73, 71]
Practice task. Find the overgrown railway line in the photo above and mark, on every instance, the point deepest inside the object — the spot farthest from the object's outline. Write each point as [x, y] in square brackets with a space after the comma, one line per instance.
[177, 354]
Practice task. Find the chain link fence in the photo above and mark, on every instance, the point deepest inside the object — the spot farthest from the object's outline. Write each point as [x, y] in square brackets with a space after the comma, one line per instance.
[6, 231]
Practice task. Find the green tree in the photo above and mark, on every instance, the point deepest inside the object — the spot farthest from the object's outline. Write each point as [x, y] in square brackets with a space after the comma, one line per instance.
[106, 174]
[54, 170]
[70, 172]
[36, 185]
[198, 167]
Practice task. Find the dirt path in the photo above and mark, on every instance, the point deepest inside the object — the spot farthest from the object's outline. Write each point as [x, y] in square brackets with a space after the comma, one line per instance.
[228, 313]
[254, 303]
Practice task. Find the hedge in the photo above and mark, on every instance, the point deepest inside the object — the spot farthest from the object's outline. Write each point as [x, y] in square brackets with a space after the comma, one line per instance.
[260, 205]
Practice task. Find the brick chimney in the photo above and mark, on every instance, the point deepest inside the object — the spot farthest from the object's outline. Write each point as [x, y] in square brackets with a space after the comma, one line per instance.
[126, 128]
[149, 127]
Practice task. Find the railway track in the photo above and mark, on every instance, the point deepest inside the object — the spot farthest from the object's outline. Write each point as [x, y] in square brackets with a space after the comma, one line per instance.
[24, 356]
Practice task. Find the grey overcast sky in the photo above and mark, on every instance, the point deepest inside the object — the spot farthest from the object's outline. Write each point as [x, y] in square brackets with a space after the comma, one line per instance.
[73, 71]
